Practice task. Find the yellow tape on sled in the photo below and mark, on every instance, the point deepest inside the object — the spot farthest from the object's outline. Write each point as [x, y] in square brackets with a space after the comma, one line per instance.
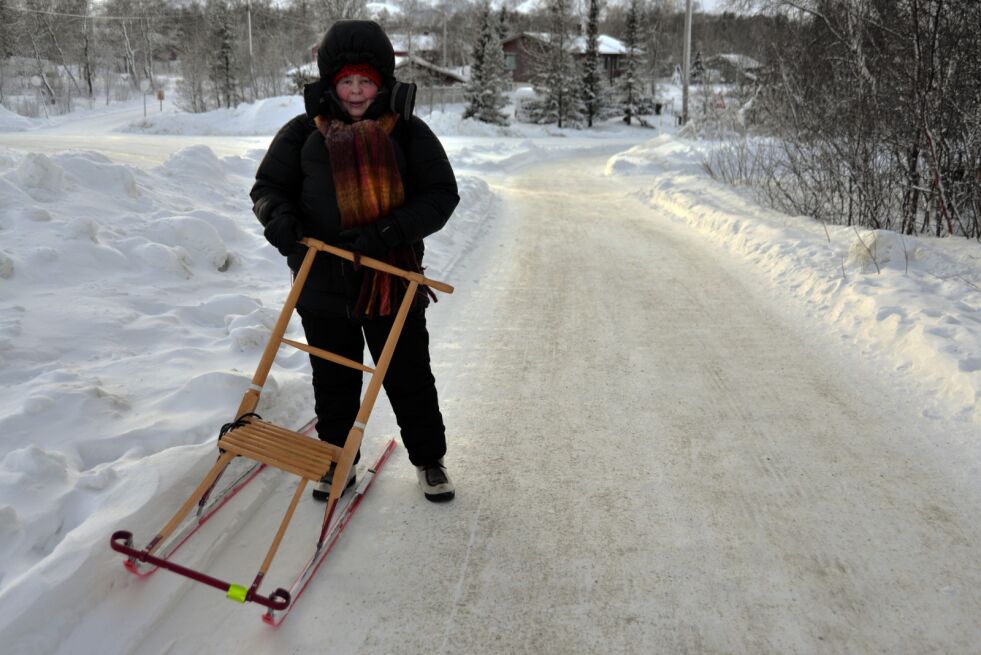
[237, 593]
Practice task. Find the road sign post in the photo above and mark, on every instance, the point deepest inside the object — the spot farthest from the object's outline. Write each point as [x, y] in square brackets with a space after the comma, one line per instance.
[144, 87]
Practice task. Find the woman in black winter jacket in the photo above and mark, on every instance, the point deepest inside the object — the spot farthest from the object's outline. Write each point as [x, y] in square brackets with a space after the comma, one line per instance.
[359, 171]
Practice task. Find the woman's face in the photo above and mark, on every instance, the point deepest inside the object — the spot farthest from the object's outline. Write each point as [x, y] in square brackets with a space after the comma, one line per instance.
[356, 93]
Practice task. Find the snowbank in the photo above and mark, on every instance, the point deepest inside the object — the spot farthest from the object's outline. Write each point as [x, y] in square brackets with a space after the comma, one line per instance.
[11, 122]
[248, 119]
[912, 302]
[135, 304]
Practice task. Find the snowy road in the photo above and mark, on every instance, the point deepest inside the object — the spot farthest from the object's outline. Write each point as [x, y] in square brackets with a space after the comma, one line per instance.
[647, 421]
[650, 458]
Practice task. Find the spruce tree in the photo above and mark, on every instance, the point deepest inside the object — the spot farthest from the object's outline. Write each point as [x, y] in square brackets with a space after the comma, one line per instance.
[590, 66]
[475, 86]
[498, 79]
[629, 82]
[697, 67]
[485, 90]
[502, 23]
[223, 54]
[557, 79]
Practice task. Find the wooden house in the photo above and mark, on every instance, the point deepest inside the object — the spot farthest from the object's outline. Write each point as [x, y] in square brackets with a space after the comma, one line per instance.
[420, 45]
[523, 51]
[732, 68]
[424, 73]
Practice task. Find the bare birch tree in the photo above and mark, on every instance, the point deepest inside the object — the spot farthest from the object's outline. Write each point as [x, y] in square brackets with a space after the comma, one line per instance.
[878, 107]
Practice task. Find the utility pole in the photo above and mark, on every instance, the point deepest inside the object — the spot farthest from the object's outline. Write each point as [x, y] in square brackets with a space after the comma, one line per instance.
[248, 15]
[686, 63]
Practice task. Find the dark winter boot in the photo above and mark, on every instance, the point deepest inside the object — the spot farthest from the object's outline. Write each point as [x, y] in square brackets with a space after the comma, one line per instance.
[321, 491]
[435, 483]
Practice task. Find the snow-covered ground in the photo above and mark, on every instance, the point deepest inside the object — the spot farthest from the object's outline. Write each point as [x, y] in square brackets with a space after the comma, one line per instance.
[135, 299]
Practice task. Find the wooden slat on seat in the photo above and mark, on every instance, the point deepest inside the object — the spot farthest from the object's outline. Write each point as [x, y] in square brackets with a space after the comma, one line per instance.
[281, 448]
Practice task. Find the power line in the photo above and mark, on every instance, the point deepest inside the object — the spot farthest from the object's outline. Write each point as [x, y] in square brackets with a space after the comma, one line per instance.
[25, 10]
[255, 10]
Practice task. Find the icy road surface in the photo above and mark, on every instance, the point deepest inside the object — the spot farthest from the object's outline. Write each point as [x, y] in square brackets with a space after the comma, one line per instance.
[650, 456]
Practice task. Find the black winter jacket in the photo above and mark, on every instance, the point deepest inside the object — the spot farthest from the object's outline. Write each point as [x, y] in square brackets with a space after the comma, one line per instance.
[295, 176]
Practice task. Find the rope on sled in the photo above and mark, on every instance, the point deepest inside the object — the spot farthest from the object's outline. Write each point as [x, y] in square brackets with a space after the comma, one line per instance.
[237, 423]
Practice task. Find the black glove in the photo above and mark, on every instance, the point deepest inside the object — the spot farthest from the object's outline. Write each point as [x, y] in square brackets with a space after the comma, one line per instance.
[372, 240]
[285, 231]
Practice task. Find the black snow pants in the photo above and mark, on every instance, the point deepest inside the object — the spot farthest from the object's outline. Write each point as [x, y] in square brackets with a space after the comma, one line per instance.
[409, 383]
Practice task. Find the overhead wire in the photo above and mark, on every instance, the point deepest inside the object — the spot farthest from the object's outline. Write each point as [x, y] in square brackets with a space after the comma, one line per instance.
[43, 12]
[176, 14]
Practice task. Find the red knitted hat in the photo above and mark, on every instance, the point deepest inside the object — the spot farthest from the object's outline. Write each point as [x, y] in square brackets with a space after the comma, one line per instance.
[365, 70]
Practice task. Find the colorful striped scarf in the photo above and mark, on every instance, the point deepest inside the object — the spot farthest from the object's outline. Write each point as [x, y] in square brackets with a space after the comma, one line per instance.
[368, 187]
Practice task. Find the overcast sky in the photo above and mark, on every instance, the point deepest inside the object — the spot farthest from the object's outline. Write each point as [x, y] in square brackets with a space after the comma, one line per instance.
[711, 6]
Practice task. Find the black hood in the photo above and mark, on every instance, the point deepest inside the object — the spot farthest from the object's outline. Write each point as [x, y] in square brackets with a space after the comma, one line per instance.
[356, 42]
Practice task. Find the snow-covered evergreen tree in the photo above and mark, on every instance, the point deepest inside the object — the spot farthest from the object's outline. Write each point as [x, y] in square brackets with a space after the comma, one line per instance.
[488, 77]
[503, 21]
[697, 67]
[557, 80]
[629, 83]
[591, 74]
[222, 55]
[475, 85]
[497, 75]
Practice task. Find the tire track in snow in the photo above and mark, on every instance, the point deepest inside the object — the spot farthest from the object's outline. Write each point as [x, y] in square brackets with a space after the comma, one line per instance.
[458, 593]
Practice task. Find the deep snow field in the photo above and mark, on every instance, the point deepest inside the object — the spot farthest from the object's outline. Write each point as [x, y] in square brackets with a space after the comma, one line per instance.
[134, 303]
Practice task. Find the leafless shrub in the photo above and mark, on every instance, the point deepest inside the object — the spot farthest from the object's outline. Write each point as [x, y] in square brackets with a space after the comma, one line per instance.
[877, 110]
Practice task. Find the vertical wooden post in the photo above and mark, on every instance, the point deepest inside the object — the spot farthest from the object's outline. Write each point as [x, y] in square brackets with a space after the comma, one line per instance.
[381, 366]
[251, 398]
[282, 527]
[190, 502]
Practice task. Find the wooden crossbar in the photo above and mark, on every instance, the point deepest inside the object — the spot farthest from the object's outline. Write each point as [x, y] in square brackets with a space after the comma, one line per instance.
[378, 265]
[281, 448]
[329, 356]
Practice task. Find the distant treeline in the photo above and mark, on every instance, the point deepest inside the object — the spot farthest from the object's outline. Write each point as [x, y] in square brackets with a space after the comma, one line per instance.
[80, 48]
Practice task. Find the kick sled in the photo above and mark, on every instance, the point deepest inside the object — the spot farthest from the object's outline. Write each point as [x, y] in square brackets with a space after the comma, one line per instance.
[261, 444]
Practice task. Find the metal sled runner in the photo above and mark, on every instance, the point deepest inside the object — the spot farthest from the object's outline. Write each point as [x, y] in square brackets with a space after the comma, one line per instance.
[265, 444]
